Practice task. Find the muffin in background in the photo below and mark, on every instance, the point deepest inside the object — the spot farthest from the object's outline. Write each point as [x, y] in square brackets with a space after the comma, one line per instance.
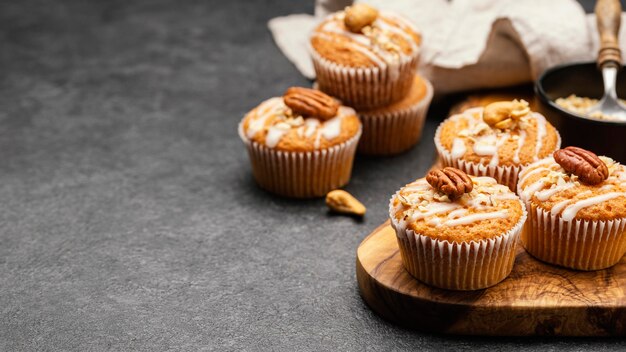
[301, 144]
[396, 128]
[364, 57]
[577, 206]
[496, 141]
[456, 231]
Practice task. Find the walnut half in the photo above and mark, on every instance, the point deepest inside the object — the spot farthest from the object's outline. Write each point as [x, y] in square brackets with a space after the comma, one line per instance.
[585, 164]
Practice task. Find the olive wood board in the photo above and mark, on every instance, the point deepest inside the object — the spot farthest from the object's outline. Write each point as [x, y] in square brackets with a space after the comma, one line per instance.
[535, 299]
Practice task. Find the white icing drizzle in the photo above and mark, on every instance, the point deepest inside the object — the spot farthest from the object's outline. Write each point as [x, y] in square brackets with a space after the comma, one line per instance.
[457, 213]
[570, 212]
[541, 133]
[534, 187]
[468, 219]
[458, 148]
[332, 128]
[435, 208]
[520, 144]
[547, 193]
[540, 167]
[558, 207]
[488, 145]
[310, 125]
[275, 134]
[263, 112]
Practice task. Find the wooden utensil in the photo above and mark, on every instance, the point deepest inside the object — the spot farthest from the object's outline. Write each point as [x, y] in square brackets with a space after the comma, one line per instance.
[608, 16]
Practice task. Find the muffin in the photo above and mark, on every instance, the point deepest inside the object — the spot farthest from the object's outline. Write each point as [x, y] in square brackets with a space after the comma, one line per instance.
[577, 206]
[497, 140]
[365, 58]
[456, 231]
[396, 128]
[301, 144]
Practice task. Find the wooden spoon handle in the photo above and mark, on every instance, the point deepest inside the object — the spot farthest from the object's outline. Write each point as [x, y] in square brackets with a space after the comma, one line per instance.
[608, 16]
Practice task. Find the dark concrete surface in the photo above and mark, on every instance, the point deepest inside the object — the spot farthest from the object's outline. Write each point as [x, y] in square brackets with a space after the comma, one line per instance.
[129, 219]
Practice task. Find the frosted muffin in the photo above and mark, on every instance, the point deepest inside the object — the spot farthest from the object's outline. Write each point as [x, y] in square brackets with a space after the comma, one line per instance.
[365, 58]
[395, 128]
[577, 206]
[497, 140]
[457, 231]
[301, 144]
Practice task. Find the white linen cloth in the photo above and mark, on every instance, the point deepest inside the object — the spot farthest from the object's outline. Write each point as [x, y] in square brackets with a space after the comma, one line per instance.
[470, 44]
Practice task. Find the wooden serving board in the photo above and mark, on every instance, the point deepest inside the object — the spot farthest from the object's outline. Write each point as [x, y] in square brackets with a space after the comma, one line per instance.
[536, 299]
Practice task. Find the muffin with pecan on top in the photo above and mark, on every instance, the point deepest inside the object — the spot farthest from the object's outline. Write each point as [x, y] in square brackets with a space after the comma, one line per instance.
[365, 57]
[497, 140]
[301, 144]
[577, 206]
[457, 231]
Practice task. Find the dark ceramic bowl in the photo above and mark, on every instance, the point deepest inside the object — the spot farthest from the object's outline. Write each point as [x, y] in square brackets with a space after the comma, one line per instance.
[585, 80]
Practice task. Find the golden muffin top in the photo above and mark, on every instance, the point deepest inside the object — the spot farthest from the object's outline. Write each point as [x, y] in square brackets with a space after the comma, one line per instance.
[361, 36]
[301, 120]
[500, 134]
[578, 187]
[481, 210]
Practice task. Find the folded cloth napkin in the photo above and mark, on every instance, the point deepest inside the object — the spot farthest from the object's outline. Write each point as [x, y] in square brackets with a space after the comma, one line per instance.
[470, 44]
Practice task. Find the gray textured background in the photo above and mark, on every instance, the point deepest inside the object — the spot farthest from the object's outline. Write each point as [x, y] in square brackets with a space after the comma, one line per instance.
[129, 219]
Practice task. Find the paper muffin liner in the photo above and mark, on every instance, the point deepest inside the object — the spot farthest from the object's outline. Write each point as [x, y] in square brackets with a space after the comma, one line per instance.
[365, 87]
[301, 174]
[577, 244]
[471, 265]
[504, 175]
[393, 132]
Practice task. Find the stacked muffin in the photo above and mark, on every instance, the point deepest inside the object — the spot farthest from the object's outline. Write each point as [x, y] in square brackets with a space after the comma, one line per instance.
[368, 59]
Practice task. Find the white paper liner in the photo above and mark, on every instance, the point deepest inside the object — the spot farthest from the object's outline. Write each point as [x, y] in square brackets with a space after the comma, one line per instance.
[577, 244]
[301, 174]
[464, 266]
[365, 87]
[505, 175]
[394, 132]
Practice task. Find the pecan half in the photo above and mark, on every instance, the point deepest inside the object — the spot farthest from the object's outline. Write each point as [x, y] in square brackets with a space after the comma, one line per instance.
[358, 16]
[310, 102]
[453, 182]
[586, 165]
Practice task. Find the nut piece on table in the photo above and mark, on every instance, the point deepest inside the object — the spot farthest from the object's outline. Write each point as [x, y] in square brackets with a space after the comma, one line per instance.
[310, 102]
[359, 16]
[343, 202]
[505, 114]
[450, 181]
[585, 164]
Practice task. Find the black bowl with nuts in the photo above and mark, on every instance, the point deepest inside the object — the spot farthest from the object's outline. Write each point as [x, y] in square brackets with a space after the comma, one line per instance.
[602, 136]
